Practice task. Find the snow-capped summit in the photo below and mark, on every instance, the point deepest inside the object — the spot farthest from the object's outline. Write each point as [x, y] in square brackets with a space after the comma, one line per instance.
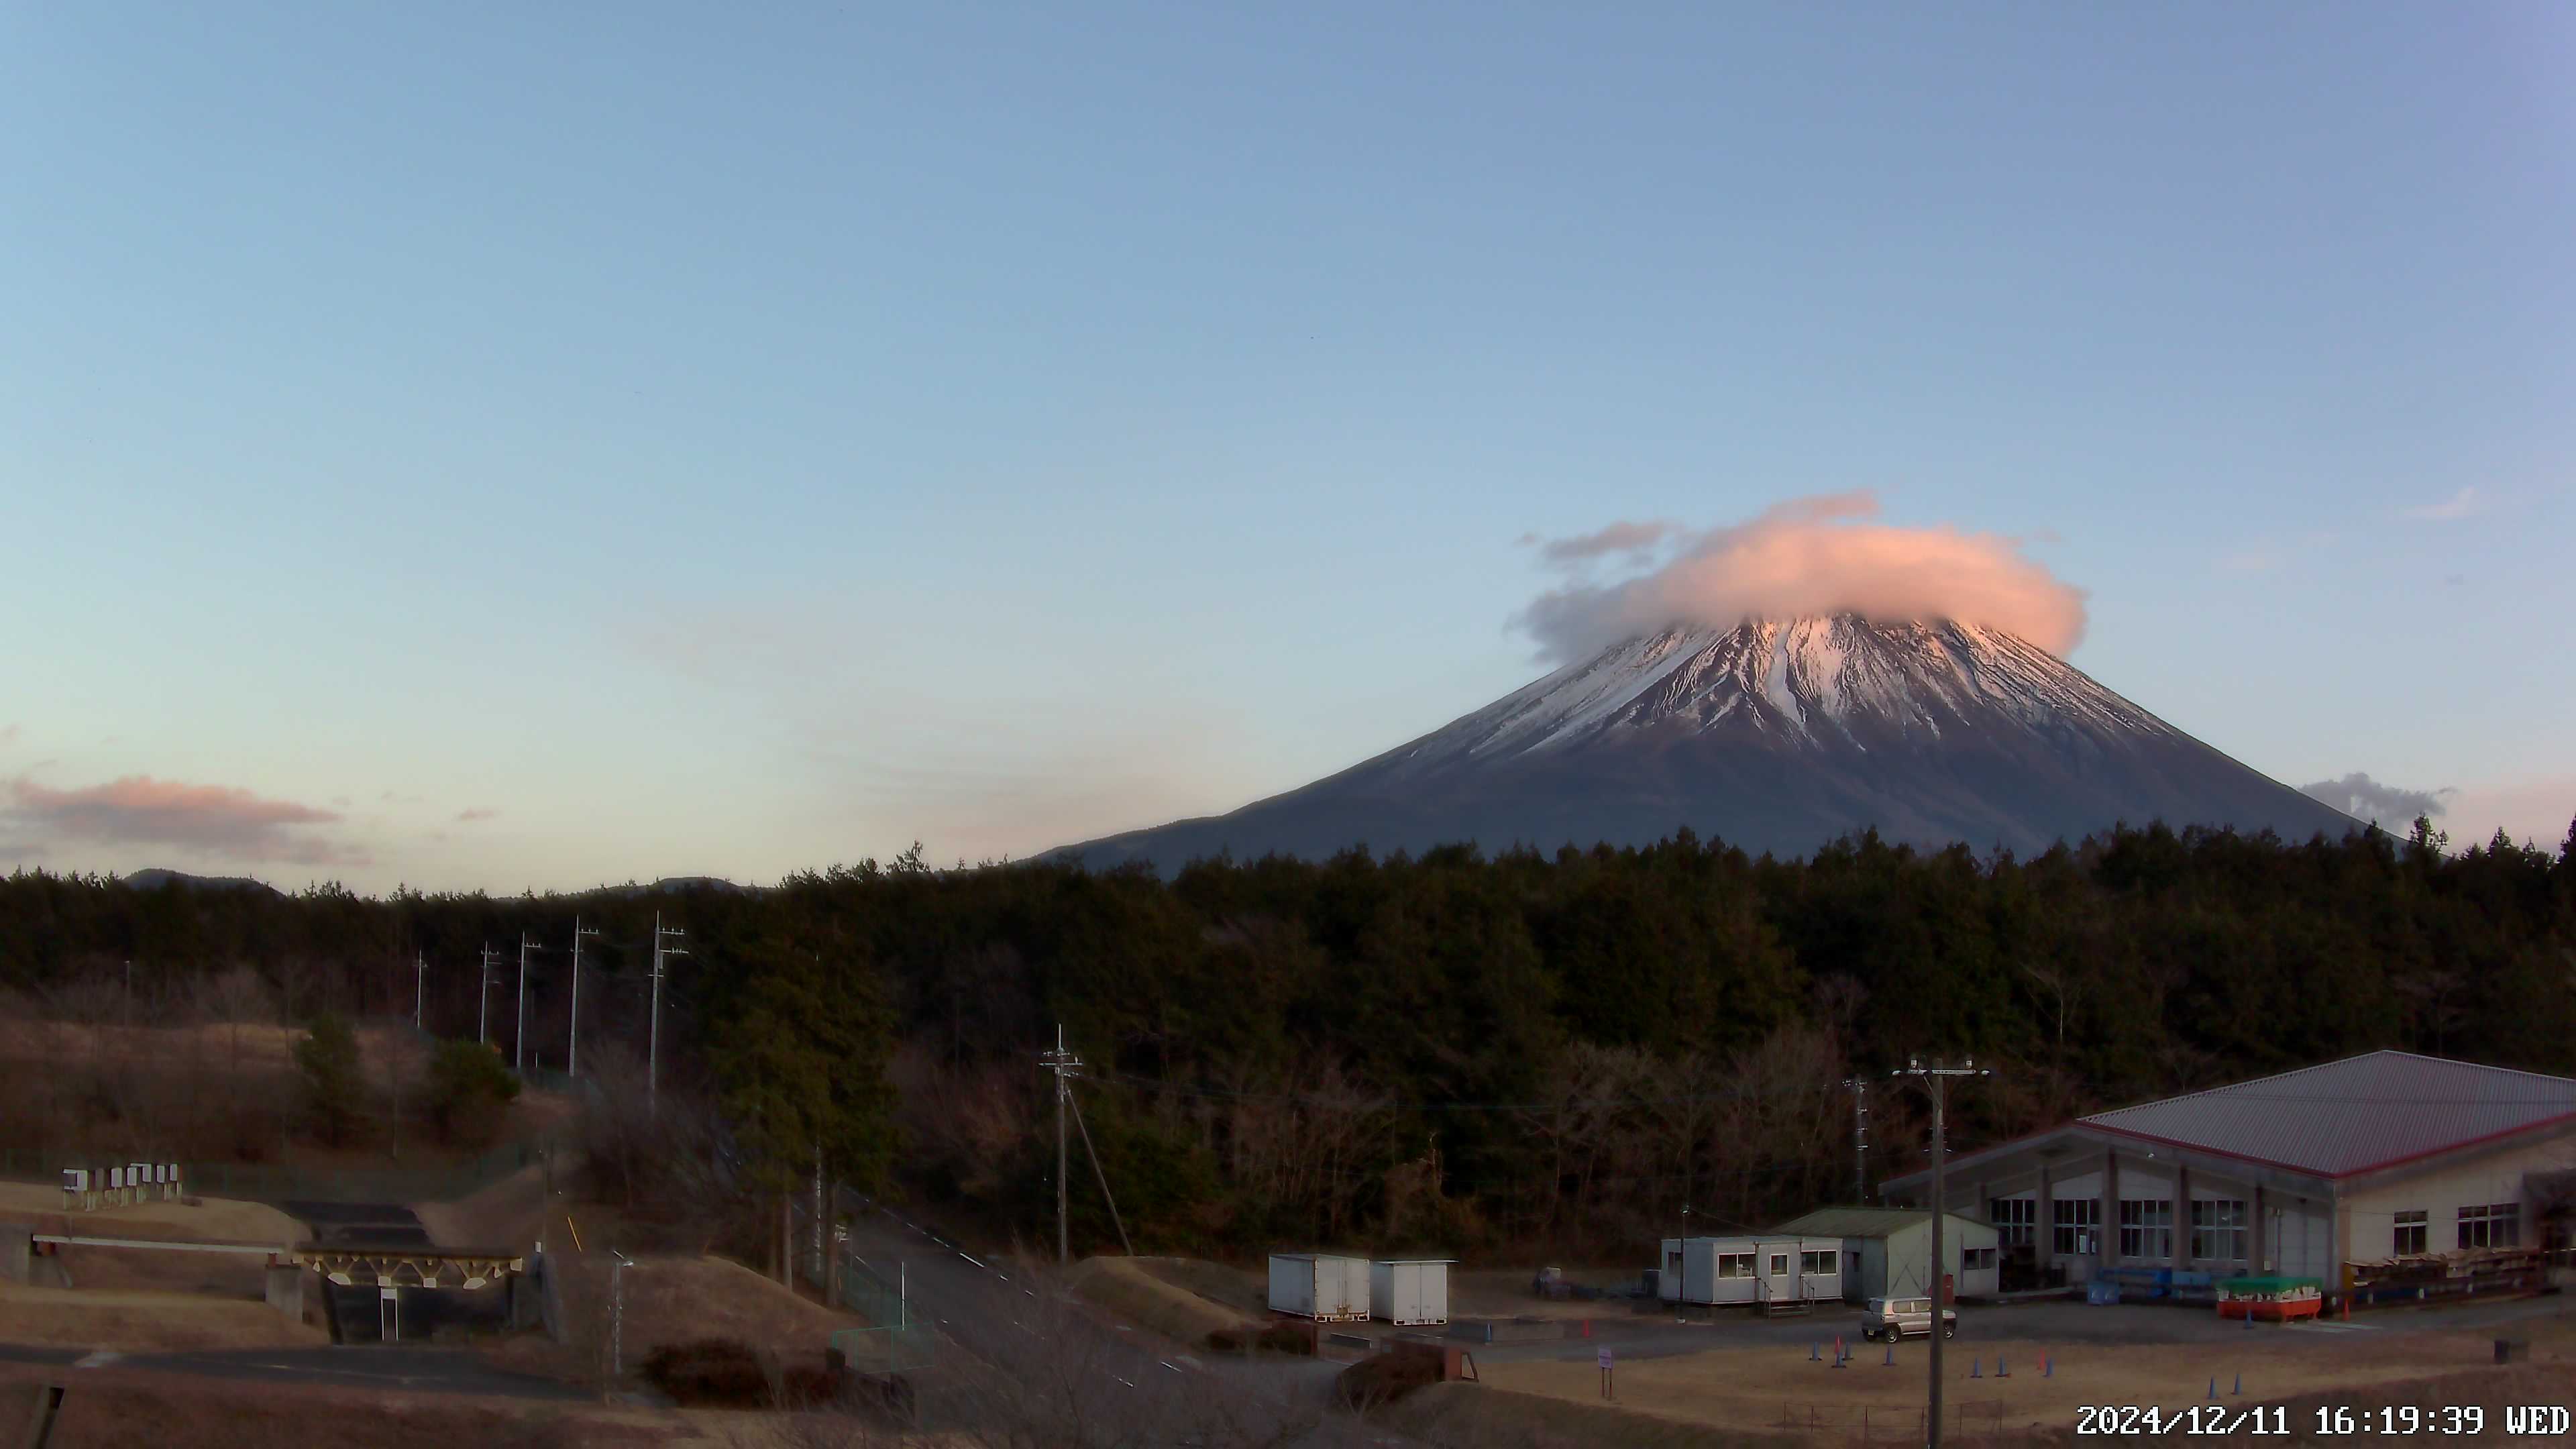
[1772, 735]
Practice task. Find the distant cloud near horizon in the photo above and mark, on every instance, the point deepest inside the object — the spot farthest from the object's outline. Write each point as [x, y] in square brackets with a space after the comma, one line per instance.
[2364, 798]
[467, 817]
[2459, 505]
[211, 820]
[1814, 555]
[9, 733]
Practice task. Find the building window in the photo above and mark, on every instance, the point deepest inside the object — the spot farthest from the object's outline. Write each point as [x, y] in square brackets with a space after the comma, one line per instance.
[2146, 1229]
[1735, 1265]
[2078, 1224]
[1977, 1260]
[2013, 1218]
[2410, 1233]
[2218, 1230]
[1779, 1265]
[1818, 1264]
[2495, 1226]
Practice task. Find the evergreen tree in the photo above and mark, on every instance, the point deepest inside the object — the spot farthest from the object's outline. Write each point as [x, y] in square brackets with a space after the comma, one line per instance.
[333, 1089]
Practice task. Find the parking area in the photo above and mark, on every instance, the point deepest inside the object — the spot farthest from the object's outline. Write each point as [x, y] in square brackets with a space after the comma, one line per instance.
[2057, 1321]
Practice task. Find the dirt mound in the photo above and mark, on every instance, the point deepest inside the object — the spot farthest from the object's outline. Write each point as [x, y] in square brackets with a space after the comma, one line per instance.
[672, 1299]
[1381, 1379]
[1237, 1290]
[511, 1213]
[1125, 1287]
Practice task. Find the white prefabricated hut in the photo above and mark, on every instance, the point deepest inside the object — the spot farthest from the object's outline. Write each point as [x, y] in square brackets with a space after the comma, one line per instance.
[1887, 1252]
[1757, 1270]
[1320, 1286]
[1410, 1292]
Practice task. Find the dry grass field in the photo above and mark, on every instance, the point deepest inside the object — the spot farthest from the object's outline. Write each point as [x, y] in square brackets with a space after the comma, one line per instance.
[672, 1298]
[206, 1220]
[144, 1321]
[1759, 1390]
[213, 1220]
[116, 1408]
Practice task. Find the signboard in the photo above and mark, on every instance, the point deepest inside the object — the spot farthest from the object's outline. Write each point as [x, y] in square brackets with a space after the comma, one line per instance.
[1605, 1358]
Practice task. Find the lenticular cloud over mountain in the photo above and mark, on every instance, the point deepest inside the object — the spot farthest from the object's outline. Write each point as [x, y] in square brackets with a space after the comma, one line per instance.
[1806, 558]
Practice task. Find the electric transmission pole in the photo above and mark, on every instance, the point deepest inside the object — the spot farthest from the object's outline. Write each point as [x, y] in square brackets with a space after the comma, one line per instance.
[572, 1048]
[653, 1054]
[1935, 1079]
[1860, 1139]
[1066, 1065]
[519, 1034]
[420, 987]
[483, 997]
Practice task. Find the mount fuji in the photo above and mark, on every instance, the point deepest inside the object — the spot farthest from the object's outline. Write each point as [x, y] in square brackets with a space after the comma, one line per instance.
[1772, 736]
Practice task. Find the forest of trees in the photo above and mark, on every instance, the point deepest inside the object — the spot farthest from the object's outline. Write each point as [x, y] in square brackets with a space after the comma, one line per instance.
[1558, 1053]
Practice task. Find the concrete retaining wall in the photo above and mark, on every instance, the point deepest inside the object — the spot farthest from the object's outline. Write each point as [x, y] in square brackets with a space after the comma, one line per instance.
[286, 1291]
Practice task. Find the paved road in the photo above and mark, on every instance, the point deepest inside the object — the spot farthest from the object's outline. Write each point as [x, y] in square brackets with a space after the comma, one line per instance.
[981, 1308]
[435, 1370]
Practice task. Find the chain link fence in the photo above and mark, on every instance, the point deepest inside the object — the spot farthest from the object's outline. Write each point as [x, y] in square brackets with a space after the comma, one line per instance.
[894, 1341]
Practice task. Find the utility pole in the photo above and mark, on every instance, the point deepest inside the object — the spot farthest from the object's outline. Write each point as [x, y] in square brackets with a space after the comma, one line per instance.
[653, 1057]
[1066, 1065]
[483, 997]
[1935, 1078]
[519, 1034]
[1860, 1140]
[129, 991]
[420, 987]
[572, 1049]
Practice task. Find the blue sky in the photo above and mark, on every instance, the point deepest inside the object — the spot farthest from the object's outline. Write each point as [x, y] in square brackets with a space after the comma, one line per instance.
[723, 443]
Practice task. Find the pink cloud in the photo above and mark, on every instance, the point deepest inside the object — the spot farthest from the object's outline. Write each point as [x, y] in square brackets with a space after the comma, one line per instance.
[1809, 556]
[214, 820]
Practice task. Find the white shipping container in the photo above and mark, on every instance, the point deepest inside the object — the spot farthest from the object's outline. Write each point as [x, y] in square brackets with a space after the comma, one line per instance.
[1410, 1291]
[1320, 1286]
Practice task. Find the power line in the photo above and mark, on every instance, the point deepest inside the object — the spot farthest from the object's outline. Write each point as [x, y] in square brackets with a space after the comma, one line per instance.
[572, 1048]
[662, 936]
[483, 998]
[519, 1033]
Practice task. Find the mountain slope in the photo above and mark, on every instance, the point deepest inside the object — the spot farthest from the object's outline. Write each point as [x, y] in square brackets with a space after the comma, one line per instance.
[1774, 736]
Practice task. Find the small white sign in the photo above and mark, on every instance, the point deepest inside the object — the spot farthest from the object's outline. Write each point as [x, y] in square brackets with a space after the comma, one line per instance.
[1605, 1358]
